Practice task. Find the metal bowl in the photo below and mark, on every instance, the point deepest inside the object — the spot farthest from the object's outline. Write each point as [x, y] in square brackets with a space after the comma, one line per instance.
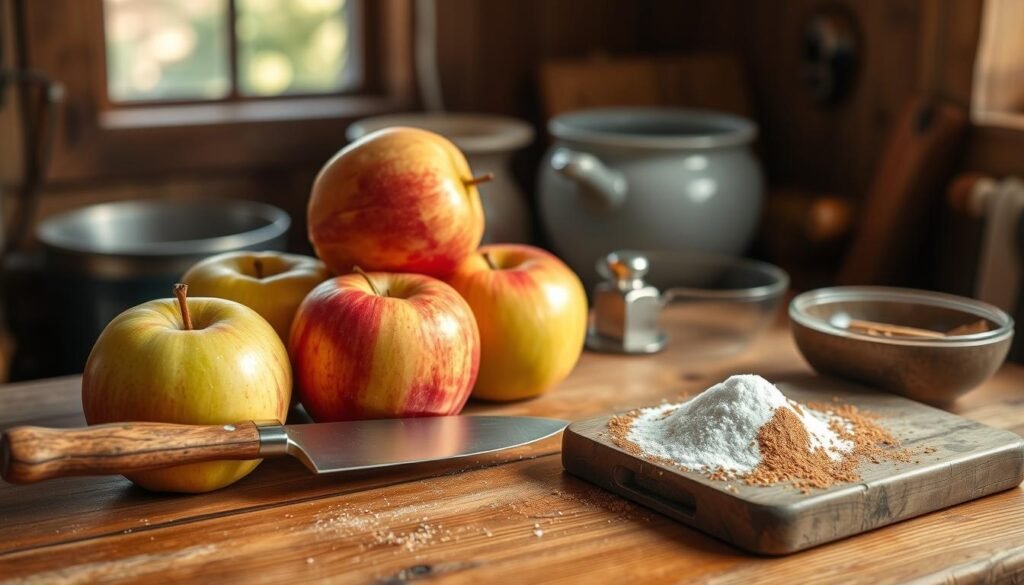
[103, 259]
[933, 370]
[130, 238]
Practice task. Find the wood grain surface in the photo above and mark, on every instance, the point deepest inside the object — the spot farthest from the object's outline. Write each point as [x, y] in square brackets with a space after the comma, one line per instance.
[513, 516]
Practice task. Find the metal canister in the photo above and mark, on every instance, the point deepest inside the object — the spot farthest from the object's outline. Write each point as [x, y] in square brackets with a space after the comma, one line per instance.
[626, 308]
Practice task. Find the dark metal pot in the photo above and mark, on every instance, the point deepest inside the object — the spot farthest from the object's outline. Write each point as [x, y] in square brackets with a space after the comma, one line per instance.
[105, 258]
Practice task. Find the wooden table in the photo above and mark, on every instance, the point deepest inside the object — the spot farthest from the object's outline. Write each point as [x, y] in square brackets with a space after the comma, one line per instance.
[506, 518]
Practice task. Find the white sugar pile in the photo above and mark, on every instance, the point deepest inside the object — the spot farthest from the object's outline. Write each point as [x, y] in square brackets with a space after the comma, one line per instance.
[718, 429]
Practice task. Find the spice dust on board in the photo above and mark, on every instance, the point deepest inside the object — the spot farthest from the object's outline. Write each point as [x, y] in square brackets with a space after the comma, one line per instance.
[745, 429]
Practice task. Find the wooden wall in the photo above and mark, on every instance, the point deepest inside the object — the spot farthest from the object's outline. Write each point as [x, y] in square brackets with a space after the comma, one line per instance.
[10, 130]
[490, 51]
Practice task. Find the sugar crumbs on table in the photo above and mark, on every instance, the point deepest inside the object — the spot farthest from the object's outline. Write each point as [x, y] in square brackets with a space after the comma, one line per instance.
[745, 429]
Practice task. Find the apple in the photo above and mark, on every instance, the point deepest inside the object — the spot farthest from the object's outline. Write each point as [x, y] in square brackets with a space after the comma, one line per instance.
[270, 283]
[194, 361]
[396, 200]
[382, 345]
[532, 313]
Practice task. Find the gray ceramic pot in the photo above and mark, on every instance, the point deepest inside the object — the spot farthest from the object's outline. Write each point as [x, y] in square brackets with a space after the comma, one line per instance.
[648, 178]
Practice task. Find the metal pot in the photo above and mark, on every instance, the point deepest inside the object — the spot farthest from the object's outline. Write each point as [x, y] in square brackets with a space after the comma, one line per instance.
[105, 258]
[649, 178]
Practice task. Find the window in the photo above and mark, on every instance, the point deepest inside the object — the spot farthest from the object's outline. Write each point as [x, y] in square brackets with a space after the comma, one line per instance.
[157, 86]
[210, 50]
[998, 98]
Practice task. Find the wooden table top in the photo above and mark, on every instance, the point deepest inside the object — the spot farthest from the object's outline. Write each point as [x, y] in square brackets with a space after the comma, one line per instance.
[508, 517]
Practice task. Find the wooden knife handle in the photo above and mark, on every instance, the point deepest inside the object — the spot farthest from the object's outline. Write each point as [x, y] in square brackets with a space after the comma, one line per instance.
[30, 454]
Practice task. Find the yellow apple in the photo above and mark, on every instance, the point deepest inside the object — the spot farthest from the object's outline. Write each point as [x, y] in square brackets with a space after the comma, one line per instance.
[196, 361]
[396, 200]
[532, 313]
[271, 283]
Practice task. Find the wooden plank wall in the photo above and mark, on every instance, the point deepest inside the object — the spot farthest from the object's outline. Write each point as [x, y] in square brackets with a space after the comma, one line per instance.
[490, 51]
[10, 129]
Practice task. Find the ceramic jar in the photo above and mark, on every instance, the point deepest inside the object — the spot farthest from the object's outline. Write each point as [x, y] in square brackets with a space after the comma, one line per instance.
[488, 143]
[651, 179]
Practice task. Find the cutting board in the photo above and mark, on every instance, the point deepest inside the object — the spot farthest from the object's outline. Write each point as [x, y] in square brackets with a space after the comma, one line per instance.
[970, 460]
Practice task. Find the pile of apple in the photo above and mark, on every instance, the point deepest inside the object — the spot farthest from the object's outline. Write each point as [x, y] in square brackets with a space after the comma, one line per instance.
[417, 318]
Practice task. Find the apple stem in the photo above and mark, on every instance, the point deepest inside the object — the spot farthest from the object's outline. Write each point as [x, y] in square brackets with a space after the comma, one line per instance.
[181, 291]
[257, 266]
[489, 260]
[369, 281]
[477, 180]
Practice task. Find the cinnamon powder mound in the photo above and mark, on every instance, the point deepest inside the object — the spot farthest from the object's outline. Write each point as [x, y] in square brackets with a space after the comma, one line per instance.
[786, 455]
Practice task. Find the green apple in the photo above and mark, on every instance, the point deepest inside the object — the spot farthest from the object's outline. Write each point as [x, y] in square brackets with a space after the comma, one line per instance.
[190, 361]
[271, 283]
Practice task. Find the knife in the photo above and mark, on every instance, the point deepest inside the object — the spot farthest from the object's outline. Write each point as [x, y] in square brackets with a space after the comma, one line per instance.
[31, 454]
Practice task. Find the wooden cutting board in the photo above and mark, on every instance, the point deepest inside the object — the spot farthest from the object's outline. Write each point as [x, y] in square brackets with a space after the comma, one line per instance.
[970, 460]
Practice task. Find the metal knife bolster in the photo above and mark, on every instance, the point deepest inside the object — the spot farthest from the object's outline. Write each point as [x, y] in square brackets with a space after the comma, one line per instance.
[273, 438]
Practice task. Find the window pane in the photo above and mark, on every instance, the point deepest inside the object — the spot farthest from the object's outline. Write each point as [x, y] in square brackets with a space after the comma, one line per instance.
[166, 49]
[294, 46]
[999, 68]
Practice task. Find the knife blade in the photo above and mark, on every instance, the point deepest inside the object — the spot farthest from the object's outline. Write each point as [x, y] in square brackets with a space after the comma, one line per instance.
[31, 454]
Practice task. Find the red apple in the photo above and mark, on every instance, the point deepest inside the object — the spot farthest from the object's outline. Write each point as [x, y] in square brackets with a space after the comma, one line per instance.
[396, 200]
[380, 345]
[532, 313]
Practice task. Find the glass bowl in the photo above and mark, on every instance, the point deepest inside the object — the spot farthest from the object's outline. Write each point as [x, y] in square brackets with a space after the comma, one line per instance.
[712, 304]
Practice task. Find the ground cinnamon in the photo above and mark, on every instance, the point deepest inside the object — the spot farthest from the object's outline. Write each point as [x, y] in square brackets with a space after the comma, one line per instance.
[786, 455]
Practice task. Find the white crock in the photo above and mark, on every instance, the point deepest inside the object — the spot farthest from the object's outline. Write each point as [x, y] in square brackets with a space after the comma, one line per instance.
[649, 179]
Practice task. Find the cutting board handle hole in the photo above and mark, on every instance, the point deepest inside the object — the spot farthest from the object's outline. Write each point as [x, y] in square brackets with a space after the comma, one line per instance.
[655, 494]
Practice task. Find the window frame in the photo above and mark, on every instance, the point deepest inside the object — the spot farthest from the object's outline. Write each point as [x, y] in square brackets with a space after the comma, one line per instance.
[356, 8]
[100, 139]
[992, 81]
